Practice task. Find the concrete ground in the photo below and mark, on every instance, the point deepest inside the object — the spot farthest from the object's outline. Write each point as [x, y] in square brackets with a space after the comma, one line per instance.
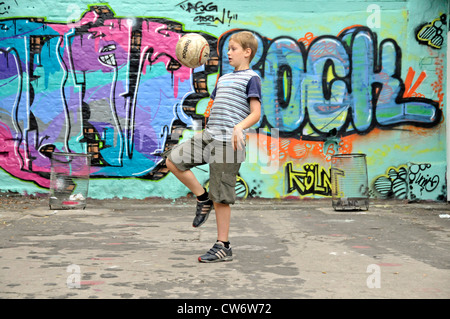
[287, 249]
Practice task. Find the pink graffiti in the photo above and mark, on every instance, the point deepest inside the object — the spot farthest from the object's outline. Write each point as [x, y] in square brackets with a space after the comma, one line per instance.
[11, 164]
[113, 37]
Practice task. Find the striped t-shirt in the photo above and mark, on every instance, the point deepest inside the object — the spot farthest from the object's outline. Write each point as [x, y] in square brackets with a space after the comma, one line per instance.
[232, 102]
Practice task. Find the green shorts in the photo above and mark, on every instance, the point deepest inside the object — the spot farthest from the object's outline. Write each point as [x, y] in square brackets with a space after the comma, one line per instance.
[224, 163]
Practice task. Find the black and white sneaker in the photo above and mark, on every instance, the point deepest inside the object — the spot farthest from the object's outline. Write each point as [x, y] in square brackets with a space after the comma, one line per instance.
[202, 212]
[217, 253]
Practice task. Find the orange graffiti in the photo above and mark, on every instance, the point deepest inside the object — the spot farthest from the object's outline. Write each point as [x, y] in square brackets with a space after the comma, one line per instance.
[343, 31]
[298, 148]
[410, 91]
[346, 144]
[208, 108]
[437, 85]
[307, 39]
[282, 149]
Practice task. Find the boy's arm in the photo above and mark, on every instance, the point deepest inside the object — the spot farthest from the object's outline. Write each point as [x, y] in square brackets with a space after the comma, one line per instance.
[237, 140]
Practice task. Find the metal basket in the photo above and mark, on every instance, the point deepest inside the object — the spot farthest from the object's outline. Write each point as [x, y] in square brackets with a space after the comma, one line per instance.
[69, 180]
[349, 182]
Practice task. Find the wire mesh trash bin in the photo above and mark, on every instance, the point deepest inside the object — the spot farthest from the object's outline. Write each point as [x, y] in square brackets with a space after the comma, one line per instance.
[349, 184]
[69, 180]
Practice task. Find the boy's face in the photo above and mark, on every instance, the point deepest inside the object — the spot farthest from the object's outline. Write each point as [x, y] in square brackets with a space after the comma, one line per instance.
[238, 56]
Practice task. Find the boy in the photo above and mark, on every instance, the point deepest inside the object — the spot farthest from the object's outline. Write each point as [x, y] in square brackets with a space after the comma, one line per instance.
[237, 106]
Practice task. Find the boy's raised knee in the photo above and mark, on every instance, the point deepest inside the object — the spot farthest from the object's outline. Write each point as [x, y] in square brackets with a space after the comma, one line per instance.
[170, 165]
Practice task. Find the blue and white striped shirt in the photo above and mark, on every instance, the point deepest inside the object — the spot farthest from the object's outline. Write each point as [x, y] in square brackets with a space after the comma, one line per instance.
[232, 102]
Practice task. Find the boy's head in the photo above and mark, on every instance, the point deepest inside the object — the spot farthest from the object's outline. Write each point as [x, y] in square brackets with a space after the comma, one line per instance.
[247, 41]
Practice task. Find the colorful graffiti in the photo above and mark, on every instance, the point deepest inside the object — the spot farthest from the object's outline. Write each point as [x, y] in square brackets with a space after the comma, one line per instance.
[112, 86]
[346, 84]
[412, 181]
[103, 85]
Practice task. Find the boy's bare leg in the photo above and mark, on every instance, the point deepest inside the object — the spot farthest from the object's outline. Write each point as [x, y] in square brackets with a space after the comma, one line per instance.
[223, 216]
[187, 178]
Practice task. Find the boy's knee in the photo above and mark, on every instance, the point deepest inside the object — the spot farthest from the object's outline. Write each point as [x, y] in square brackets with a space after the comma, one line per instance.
[172, 167]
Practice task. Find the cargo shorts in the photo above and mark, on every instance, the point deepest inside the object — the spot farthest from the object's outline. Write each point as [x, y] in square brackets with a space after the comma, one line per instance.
[224, 163]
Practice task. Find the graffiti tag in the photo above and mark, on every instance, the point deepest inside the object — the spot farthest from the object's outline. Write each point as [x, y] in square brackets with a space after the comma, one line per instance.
[312, 179]
[208, 14]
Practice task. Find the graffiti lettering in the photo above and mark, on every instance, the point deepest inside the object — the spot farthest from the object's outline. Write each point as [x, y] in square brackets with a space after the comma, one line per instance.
[197, 7]
[410, 181]
[417, 177]
[347, 83]
[227, 16]
[113, 87]
[4, 8]
[202, 18]
[311, 180]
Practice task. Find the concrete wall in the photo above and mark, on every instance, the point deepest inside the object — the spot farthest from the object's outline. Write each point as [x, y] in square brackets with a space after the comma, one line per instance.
[338, 77]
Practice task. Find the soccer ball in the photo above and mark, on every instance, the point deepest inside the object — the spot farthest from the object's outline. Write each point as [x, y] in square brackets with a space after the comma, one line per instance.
[192, 50]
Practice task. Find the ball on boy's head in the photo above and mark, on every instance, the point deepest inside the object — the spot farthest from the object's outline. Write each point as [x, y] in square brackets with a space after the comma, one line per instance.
[192, 50]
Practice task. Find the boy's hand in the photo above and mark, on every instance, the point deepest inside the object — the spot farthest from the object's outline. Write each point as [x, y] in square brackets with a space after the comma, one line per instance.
[237, 139]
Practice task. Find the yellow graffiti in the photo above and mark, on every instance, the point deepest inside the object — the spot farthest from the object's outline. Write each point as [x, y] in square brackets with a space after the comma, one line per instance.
[393, 184]
[312, 179]
[432, 33]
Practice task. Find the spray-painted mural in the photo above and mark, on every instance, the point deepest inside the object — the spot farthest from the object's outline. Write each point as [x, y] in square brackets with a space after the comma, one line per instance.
[103, 85]
[110, 85]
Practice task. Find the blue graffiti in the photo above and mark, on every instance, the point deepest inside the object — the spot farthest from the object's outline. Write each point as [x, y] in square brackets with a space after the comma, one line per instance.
[346, 85]
[104, 85]
[112, 87]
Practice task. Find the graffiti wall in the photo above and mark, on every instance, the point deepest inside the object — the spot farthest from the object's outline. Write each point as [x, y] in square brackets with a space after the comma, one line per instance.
[341, 78]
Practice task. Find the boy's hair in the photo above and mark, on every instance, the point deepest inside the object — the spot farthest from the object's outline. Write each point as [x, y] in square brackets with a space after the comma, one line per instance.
[247, 41]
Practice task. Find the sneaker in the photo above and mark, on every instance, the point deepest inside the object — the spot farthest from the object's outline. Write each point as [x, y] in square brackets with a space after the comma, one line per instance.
[202, 212]
[217, 253]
